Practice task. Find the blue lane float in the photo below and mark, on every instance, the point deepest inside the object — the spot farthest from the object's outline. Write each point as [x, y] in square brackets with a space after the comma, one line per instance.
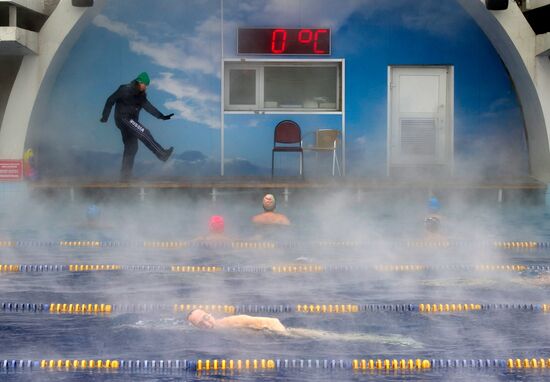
[281, 268]
[265, 364]
[243, 244]
[310, 309]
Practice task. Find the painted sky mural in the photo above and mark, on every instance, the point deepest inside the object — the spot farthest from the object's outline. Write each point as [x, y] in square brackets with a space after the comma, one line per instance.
[179, 44]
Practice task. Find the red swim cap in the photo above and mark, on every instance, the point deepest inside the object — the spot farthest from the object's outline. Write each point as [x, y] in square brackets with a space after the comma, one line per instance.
[216, 224]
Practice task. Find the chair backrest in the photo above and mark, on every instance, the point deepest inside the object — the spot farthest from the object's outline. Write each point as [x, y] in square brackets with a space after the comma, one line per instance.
[326, 138]
[287, 131]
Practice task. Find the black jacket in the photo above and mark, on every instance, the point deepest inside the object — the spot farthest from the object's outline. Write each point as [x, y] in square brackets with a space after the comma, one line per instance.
[129, 100]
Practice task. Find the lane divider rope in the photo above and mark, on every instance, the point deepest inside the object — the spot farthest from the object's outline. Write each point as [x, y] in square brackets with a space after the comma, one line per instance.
[67, 308]
[244, 244]
[221, 365]
[285, 268]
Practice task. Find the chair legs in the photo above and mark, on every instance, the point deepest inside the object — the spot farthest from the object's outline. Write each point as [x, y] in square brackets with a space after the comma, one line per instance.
[333, 161]
[272, 163]
[335, 164]
[301, 159]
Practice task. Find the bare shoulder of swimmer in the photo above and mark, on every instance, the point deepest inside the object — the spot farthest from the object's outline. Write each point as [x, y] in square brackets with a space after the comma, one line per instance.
[250, 322]
[263, 218]
[257, 218]
[282, 219]
[271, 218]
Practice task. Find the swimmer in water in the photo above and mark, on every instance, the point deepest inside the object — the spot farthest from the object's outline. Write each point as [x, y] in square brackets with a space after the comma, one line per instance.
[432, 226]
[93, 214]
[269, 216]
[216, 230]
[541, 280]
[94, 221]
[434, 207]
[204, 320]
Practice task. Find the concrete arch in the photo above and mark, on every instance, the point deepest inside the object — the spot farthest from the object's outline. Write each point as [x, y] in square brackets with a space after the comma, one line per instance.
[507, 30]
[515, 42]
[38, 73]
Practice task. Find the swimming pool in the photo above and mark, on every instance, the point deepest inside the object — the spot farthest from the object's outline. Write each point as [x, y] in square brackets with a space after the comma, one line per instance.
[333, 267]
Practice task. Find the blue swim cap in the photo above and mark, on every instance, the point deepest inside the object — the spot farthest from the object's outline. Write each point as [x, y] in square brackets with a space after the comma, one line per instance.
[92, 212]
[433, 204]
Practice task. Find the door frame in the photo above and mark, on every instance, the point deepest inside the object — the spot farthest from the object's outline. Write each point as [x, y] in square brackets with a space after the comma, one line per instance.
[449, 114]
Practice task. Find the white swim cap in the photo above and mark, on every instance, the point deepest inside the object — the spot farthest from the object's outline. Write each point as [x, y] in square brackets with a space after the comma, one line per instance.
[269, 202]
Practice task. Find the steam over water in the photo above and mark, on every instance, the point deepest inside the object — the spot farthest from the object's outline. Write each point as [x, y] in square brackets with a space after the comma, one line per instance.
[377, 224]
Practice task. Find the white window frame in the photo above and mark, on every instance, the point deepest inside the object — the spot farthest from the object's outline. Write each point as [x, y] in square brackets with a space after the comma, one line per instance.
[340, 94]
[259, 65]
[259, 88]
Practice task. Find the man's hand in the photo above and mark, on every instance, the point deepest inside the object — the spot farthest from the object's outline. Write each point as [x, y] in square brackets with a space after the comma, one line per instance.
[167, 117]
[103, 120]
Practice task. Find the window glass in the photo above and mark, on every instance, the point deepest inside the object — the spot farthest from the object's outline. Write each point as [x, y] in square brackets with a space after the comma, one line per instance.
[295, 87]
[242, 87]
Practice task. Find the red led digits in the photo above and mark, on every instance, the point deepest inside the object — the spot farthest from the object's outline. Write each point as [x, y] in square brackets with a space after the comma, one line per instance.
[316, 49]
[283, 41]
[305, 36]
[278, 41]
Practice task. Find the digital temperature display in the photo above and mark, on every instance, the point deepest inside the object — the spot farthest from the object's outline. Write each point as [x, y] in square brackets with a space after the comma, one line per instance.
[307, 41]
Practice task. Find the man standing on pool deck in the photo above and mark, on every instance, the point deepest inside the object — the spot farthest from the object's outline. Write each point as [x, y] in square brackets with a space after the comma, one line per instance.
[129, 99]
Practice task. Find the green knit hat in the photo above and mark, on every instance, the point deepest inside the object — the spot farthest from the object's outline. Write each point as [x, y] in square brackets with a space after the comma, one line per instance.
[143, 78]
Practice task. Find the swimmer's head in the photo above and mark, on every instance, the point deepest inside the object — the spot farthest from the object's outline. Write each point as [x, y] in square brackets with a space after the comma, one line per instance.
[433, 204]
[216, 224]
[201, 319]
[92, 212]
[432, 224]
[268, 203]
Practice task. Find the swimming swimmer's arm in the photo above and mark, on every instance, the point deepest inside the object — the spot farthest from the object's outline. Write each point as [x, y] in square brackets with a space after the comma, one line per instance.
[250, 322]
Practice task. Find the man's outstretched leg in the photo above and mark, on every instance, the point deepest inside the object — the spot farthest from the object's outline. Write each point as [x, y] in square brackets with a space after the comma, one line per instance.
[143, 134]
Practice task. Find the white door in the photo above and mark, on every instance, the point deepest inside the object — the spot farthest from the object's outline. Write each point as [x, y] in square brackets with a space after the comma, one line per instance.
[420, 117]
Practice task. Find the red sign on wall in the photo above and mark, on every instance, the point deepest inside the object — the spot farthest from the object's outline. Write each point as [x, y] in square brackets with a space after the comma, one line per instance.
[11, 169]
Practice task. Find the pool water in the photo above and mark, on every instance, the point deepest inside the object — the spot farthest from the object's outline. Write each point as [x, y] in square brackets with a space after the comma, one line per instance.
[382, 233]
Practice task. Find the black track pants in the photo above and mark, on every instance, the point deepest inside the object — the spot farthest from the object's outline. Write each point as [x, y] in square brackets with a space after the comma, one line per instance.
[131, 131]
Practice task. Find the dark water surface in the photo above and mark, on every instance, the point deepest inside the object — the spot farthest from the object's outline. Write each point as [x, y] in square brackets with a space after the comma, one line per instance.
[387, 335]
